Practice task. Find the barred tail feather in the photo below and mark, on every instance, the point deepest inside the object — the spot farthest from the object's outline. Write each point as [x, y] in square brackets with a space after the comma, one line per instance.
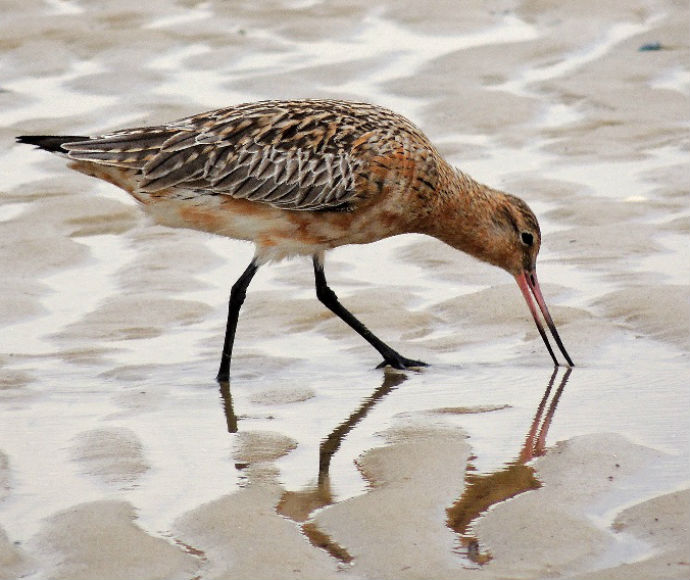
[50, 142]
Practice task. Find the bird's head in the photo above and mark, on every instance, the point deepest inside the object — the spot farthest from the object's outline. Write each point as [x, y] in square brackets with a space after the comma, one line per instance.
[502, 230]
[518, 241]
[512, 236]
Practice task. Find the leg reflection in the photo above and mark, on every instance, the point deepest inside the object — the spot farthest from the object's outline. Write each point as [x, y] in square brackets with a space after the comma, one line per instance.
[226, 397]
[332, 443]
[299, 505]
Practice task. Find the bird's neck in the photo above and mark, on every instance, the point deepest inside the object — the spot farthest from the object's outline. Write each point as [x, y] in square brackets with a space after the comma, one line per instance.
[464, 213]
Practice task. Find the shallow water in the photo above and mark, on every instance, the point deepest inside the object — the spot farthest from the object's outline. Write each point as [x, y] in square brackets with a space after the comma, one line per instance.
[112, 322]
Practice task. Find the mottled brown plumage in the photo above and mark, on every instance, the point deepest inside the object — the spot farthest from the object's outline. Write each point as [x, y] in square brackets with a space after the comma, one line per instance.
[305, 176]
[297, 155]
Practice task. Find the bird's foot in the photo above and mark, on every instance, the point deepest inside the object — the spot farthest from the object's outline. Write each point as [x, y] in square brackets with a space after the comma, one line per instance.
[401, 363]
[223, 375]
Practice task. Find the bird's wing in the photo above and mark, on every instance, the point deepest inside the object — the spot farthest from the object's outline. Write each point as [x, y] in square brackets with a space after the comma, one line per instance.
[269, 154]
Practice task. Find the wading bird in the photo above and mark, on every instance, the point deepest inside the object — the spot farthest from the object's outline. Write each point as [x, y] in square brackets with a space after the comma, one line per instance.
[301, 177]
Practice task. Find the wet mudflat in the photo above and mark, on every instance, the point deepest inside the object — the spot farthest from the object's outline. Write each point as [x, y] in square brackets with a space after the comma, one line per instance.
[312, 463]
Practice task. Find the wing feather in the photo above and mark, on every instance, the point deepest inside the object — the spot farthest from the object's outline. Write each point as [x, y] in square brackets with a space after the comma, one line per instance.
[297, 155]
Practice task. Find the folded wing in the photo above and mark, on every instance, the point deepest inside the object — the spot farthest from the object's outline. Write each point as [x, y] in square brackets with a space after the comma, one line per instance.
[267, 154]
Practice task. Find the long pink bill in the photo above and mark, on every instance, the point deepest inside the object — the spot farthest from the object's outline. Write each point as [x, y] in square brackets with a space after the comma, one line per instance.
[529, 285]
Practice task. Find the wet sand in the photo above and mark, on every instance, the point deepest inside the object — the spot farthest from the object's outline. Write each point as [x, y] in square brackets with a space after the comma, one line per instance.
[120, 457]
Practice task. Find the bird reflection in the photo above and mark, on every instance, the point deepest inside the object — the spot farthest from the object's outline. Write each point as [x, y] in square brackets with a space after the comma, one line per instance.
[299, 505]
[484, 490]
[480, 493]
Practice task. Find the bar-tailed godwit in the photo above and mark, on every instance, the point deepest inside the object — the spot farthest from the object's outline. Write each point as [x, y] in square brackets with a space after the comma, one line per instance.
[301, 177]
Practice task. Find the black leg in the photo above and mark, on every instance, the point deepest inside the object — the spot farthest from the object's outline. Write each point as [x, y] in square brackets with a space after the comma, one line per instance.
[330, 300]
[237, 296]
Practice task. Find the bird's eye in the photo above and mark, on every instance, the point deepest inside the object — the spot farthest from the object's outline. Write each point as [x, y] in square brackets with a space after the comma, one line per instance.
[527, 238]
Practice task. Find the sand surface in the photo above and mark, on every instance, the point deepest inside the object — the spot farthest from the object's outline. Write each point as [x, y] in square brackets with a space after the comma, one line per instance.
[120, 457]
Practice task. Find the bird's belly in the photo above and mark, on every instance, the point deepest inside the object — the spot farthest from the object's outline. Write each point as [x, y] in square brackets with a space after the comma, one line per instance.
[277, 233]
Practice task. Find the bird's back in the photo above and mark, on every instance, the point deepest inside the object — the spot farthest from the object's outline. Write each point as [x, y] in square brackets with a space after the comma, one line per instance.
[295, 155]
